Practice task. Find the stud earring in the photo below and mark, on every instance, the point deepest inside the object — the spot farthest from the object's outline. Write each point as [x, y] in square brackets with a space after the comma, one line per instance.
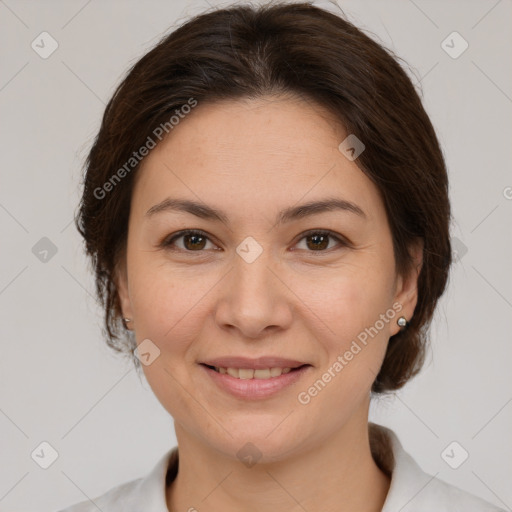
[402, 322]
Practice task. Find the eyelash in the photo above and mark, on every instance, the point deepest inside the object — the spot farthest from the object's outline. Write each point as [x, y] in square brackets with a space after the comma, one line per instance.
[168, 242]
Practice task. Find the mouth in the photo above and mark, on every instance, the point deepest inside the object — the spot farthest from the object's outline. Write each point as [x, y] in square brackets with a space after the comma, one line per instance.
[254, 379]
[251, 373]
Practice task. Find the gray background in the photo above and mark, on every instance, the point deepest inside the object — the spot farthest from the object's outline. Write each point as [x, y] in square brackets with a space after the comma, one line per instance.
[59, 382]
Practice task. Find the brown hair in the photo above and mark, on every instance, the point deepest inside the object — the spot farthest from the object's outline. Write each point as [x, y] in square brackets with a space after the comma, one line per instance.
[247, 52]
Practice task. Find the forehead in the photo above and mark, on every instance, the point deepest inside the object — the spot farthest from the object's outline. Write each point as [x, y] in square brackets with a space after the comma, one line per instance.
[254, 153]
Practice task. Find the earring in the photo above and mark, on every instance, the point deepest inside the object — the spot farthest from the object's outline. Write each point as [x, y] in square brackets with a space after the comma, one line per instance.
[125, 321]
[402, 322]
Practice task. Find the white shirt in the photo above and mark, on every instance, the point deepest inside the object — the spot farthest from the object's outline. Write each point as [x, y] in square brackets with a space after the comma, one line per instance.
[411, 489]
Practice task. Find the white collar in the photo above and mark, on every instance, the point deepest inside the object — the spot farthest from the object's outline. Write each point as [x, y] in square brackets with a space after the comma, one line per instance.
[411, 489]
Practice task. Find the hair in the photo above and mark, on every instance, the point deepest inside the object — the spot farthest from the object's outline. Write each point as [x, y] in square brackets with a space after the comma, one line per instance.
[245, 52]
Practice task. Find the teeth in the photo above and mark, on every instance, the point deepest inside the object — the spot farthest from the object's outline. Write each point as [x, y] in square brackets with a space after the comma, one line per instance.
[262, 374]
[247, 373]
[233, 372]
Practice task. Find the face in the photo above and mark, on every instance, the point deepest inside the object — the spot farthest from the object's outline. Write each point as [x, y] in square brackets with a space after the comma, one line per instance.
[269, 322]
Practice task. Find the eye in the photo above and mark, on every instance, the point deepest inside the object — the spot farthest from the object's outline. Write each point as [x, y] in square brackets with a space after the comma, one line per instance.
[194, 240]
[318, 240]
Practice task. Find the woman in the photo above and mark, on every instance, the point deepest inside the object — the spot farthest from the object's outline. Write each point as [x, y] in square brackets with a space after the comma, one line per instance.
[266, 206]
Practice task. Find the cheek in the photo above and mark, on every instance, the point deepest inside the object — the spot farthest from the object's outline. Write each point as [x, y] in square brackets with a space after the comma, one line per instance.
[159, 303]
[168, 310]
[354, 313]
[354, 340]
[348, 303]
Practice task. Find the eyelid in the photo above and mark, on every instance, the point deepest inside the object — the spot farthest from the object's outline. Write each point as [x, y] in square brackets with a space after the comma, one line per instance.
[342, 241]
[326, 232]
[167, 242]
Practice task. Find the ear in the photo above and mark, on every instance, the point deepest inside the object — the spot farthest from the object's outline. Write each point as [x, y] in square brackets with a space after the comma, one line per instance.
[121, 282]
[406, 286]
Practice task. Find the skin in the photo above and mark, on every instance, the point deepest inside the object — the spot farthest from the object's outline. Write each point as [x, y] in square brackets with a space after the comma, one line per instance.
[250, 159]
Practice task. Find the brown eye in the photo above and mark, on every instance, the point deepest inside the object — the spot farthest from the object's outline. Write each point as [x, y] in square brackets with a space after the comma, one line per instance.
[318, 241]
[192, 241]
[196, 241]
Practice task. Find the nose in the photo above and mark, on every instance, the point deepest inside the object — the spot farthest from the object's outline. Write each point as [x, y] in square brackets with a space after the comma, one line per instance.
[253, 300]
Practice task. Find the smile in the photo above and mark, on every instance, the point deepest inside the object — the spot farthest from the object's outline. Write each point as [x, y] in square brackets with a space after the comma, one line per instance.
[249, 373]
[254, 383]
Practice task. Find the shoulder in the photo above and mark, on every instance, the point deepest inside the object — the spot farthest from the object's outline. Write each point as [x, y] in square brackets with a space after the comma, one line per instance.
[117, 498]
[147, 493]
[413, 490]
[448, 498]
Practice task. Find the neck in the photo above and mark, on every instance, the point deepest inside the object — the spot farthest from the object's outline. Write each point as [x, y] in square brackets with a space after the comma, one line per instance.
[339, 474]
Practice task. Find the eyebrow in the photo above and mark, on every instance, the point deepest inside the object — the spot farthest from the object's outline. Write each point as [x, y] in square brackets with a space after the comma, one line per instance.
[287, 215]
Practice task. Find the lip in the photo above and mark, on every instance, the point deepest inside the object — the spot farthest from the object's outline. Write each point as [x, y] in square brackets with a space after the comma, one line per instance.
[255, 389]
[259, 363]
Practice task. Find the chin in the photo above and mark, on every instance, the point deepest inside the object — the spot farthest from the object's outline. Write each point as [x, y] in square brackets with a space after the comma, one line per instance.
[262, 438]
